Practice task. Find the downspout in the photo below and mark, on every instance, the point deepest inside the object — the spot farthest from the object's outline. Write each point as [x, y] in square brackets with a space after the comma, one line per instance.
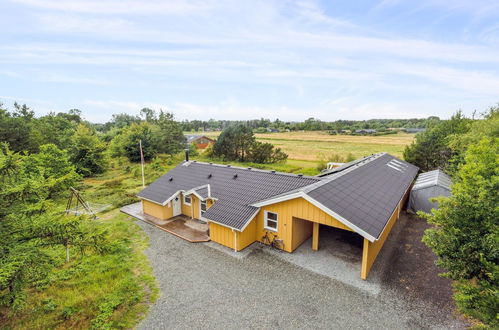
[235, 240]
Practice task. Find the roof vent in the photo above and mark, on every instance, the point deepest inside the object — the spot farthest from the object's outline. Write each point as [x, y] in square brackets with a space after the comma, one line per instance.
[171, 179]
[235, 176]
[209, 176]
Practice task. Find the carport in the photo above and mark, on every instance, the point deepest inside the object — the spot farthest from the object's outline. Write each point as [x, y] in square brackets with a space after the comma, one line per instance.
[340, 243]
[303, 229]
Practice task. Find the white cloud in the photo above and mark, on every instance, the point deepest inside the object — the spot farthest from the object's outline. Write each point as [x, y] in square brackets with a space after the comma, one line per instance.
[156, 7]
[470, 81]
[284, 59]
[125, 106]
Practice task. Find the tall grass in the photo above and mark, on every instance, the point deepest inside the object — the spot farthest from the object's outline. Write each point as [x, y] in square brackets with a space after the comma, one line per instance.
[99, 291]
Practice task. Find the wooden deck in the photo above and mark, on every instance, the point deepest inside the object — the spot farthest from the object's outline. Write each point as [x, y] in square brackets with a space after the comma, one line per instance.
[191, 230]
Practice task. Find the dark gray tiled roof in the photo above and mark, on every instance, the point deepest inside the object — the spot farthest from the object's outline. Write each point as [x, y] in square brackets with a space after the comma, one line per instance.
[364, 192]
[203, 192]
[233, 194]
[342, 167]
[367, 193]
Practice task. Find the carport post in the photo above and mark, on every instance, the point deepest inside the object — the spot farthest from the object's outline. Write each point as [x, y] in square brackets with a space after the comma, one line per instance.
[315, 236]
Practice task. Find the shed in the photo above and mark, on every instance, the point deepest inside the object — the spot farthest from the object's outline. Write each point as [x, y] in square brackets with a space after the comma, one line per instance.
[428, 185]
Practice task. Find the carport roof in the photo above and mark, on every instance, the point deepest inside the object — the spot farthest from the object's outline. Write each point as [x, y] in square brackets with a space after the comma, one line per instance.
[367, 193]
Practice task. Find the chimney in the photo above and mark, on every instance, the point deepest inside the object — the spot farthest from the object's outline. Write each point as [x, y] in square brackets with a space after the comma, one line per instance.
[186, 155]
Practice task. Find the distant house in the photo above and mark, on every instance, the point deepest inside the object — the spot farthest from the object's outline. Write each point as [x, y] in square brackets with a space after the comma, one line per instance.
[200, 141]
[415, 130]
[246, 205]
[272, 130]
[365, 131]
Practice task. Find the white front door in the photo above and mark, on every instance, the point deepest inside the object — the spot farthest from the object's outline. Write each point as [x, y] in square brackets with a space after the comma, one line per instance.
[177, 208]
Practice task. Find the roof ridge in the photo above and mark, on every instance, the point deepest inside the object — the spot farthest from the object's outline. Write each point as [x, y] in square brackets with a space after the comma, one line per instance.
[252, 169]
[336, 175]
[347, 165]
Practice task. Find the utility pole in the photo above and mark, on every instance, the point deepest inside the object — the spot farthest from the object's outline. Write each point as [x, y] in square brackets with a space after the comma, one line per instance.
[142, 163]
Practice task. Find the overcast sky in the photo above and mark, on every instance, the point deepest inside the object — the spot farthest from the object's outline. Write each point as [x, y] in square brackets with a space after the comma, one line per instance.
[249, 59]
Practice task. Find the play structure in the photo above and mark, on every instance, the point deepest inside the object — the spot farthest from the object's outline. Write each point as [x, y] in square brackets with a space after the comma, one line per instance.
[78, 206]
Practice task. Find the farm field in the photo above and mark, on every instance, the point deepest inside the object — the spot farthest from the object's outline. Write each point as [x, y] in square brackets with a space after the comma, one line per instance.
[311, 146]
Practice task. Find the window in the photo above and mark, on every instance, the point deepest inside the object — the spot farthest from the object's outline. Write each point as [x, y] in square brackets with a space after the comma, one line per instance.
[270, 221]
[187, 199]
[203, 207]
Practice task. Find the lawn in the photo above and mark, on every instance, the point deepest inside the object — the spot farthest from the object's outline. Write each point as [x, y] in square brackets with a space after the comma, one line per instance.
[98, 291]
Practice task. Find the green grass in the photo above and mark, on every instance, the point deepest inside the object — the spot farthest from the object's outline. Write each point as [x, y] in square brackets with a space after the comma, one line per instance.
[314, 145]
[99, 291]
[290, 166]
[111, 290]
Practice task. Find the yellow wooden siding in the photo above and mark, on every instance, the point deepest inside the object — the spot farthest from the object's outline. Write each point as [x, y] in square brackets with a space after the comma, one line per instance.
[246, 237]
[187, 209]
[222, 235]
[194, 210]
[286, 210]
[372, 249]
[157, 210]
[302, 230]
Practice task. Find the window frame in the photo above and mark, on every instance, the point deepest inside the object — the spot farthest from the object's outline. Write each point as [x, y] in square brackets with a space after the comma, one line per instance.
[190, 198]
[201, 212]
[266, 220]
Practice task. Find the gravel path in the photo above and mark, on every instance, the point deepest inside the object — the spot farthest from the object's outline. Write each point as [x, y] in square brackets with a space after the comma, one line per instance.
[205, 288]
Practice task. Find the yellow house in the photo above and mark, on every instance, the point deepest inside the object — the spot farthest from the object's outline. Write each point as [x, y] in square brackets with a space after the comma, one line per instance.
[245, 205]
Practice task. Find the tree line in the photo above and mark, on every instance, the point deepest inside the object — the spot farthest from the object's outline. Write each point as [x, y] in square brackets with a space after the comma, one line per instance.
[465, 232]
[261, 125]
[90, 145]
[311, 124]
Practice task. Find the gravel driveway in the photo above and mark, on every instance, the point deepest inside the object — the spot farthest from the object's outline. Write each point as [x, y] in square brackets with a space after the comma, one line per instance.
[205, 288]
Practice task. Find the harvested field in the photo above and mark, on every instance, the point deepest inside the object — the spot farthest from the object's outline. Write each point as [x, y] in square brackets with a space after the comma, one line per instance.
[313, 145]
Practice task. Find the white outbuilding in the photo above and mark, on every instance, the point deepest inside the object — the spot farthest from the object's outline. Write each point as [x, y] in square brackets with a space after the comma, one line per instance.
[428, 185]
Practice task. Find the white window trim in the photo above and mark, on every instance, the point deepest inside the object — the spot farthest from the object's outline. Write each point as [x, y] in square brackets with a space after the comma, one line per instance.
[266, 219]
[185, 203]
[201, 209]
